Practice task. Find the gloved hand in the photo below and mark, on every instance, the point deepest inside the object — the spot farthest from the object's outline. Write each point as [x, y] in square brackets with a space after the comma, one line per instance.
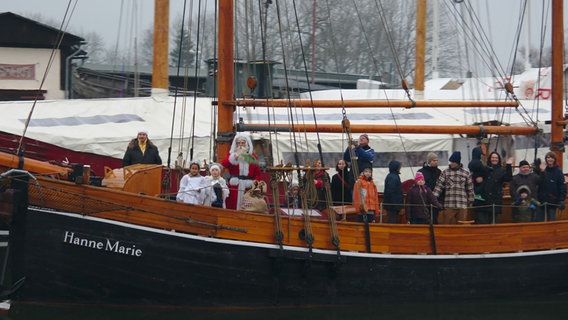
[562, 205]
[319, 184]
[536, 166]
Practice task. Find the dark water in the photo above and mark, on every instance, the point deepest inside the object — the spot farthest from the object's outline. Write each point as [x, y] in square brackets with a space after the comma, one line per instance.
[556, 308]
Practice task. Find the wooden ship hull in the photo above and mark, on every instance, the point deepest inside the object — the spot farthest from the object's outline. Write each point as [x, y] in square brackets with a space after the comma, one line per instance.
[100, 245]
[141, 265]
[71, 242]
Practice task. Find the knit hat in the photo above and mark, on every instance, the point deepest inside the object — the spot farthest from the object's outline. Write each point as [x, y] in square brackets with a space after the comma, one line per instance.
[456, 157]
[524, 163]
[365, 135]
[143, 130]
[215, 165]
[431, 156]
[419, 176]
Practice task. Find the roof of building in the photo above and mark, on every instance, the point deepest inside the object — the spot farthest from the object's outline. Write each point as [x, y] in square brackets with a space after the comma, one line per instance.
[21, 32]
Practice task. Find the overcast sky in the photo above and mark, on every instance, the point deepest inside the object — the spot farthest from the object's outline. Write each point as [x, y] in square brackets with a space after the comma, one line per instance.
[107, 17]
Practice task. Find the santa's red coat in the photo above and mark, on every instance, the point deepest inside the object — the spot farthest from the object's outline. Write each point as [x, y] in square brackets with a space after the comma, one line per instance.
[254, 173]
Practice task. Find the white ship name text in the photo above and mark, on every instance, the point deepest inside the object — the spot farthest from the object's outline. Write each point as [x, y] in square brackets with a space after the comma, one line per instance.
[114, 246]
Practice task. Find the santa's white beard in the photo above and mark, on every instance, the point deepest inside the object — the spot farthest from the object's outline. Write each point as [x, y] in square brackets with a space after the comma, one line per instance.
[241, 150]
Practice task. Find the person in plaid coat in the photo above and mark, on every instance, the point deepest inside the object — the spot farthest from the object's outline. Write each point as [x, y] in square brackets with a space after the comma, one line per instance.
[457, 187]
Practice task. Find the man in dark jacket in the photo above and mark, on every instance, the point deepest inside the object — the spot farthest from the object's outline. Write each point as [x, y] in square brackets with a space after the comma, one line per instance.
[525, 178]
[552, 189]
[141, 150]
[393, 196]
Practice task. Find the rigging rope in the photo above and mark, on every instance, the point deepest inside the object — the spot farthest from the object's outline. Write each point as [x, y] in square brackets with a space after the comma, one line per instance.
[343, 110]
[176, 95]
[388, 32]
[278, 234]
[308, 81]
[193, 118]
[61, 33]
[290, 106]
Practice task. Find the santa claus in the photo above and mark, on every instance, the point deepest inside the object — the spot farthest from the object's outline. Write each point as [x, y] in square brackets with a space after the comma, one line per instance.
[243, 167]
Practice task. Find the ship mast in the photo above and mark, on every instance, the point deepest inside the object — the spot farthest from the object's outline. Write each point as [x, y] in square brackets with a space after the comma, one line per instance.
[225, 77]
[556, 125]
[420, 49]
[160, 57]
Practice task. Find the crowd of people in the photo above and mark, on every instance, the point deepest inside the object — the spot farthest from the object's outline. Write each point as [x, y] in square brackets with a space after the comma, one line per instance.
[435, 196]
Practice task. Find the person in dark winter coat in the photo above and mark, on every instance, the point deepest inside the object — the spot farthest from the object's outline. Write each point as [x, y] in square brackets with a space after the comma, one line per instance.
[526, 178]
[141, 150]
[492, 193]
[342, 185]
[393, 196]
[552, 189]
[419, 201]
[430, 170]
[478, 172]
[431, 174]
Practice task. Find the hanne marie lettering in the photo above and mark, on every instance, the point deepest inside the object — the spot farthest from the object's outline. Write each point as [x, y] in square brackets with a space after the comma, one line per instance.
[108, 245]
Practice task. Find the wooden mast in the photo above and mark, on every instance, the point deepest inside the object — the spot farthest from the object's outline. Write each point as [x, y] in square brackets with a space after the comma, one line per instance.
[225, 79]
[420, 49]
[161, 39]
[556, 127]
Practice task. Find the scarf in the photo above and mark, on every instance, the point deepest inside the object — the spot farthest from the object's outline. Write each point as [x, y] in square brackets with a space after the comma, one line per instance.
[142, 146]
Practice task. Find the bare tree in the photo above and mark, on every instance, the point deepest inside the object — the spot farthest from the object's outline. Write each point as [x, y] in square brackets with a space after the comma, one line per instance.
[360, 37]
[147, 46]
[182, 53]
[95, 47]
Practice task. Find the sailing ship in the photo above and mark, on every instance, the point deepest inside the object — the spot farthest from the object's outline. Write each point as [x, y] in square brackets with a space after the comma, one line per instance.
[73, 242]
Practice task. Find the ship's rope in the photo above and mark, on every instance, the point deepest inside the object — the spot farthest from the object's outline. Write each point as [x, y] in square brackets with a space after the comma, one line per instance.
[331, 218]
[392, 46]
[278, 234]
[166, 182]
[291, 108]
[307, 231]
[303, 55]
[60, 35]
[474, 33]
[311, 193]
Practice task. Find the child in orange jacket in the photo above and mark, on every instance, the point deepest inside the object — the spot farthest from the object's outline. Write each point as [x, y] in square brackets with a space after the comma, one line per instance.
[366, 196]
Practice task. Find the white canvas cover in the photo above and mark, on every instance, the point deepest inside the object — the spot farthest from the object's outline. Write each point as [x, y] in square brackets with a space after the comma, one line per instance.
[105, 126]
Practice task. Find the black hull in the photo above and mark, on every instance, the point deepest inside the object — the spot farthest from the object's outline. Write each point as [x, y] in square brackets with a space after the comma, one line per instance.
[176, 269]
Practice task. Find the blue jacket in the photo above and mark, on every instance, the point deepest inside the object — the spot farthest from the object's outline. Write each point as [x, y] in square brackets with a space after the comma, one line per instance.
[364, 155]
